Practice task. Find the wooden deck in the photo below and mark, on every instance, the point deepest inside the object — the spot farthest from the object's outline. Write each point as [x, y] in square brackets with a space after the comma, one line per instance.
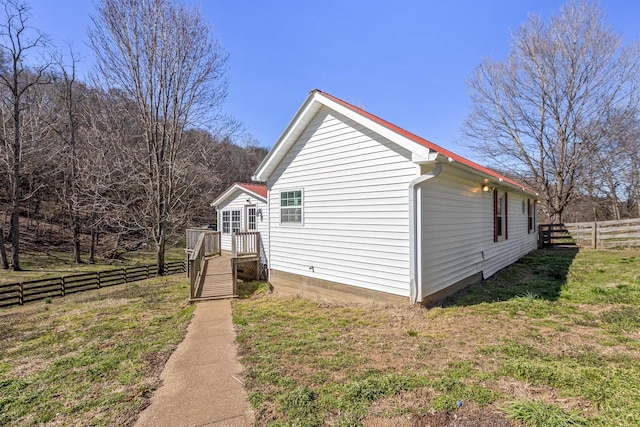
[217, 279]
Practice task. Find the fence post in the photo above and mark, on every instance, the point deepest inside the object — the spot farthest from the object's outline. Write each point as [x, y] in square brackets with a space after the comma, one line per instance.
[99, 279]
[594, 236]
[62, 290]
[540, 236]
[20, 294]
[234, 275]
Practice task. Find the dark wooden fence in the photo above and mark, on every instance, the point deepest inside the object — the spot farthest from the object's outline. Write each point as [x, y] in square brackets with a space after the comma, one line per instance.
[32, 290]
[554, 235]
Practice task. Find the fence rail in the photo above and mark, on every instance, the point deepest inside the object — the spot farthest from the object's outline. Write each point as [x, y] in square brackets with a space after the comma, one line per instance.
[554, 235]
[20, 293]
[606, 234]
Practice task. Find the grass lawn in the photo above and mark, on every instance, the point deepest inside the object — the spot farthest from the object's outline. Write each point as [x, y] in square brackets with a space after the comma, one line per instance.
[92, 358]
[552, 341]
[42, 265]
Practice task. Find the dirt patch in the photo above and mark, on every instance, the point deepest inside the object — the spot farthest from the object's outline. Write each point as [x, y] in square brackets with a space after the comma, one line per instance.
[468, 415]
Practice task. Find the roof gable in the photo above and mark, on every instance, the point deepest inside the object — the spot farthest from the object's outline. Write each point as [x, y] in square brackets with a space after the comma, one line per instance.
[259, 191]
[422, 150]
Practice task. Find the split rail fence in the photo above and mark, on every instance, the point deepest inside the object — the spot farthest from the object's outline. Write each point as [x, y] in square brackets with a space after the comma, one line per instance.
[32, 290]
[606, 234]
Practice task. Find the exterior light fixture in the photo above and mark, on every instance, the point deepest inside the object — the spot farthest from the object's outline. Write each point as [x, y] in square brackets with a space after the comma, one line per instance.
[485, 188]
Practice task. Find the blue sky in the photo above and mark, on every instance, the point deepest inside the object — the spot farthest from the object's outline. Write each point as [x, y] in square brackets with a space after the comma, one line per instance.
[405, 61]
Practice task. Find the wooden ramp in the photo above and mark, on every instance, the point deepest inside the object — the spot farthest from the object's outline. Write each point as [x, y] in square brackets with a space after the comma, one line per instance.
[217, 279]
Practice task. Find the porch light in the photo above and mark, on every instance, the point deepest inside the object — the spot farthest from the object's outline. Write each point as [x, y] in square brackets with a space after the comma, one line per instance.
[485, 188]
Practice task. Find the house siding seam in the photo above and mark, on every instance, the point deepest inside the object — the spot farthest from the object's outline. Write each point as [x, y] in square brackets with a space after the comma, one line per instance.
[355, 220]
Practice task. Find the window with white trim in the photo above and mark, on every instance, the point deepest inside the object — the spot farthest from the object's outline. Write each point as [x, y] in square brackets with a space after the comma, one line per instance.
[251, 218]
[291, 207]
[500, 216]
[235, 221]
[531, 216]
[225, 221]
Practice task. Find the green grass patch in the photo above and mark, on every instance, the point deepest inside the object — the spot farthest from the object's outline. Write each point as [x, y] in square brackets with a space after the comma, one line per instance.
[540, 414]
[559, 323]
[92, 358]
[44, 265]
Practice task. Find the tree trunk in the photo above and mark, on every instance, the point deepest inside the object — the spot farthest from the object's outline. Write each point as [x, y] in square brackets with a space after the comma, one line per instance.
[160, 246]
[15, 206]
[3, 251]
[76, 241]
[75, 215]
[92, 247]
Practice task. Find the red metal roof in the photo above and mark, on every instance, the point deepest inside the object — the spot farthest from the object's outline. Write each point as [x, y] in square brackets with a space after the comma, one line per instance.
[430, 145]
[259, 189]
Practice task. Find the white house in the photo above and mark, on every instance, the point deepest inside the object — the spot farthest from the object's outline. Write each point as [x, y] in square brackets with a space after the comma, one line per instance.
[360, 208]
[242, 207]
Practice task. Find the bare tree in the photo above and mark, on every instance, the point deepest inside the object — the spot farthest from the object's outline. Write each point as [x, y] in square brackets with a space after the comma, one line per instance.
[542, 112]
[160, 56]
[15, 45]
[65, 125]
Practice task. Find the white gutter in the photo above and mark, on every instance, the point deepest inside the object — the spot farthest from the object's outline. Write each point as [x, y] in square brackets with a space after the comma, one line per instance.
[415, 256]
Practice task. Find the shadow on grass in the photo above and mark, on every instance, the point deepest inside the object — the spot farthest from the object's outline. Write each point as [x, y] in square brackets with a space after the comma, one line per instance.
[540, 274]
[253, 289]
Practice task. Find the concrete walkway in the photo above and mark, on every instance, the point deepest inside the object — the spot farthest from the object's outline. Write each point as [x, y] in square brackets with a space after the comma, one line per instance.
[201, 381]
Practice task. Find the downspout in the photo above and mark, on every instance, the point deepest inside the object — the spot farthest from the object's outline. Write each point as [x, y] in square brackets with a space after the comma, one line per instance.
[415, 262]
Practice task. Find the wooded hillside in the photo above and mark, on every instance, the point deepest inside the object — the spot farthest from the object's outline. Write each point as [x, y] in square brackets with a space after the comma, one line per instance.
[131, 157]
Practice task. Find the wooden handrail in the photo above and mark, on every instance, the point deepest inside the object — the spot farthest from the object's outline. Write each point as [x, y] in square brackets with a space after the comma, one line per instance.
[207, 244]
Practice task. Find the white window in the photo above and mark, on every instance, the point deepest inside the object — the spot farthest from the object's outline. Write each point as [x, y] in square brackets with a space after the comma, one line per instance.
[291, 207]
[500, 216]
[225, 222]
[251, 218]
[531, 216]
[235, 221]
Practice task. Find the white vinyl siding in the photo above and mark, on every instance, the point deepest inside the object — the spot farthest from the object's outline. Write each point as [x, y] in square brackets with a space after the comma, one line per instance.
[457, 236]
[452, 231]
[355, 204]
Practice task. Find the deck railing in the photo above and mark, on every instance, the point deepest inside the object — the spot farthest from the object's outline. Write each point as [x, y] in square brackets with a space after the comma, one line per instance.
[246, 243]
[212, 241]
[207, 244]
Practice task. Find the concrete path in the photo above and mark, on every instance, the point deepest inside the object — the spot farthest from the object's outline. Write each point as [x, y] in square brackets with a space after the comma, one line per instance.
[201, 381]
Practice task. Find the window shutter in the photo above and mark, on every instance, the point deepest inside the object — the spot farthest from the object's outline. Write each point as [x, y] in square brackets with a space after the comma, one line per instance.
[506, 216]
[495, 215]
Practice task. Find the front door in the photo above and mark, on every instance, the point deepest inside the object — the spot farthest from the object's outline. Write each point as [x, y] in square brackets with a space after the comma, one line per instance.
[250, 223]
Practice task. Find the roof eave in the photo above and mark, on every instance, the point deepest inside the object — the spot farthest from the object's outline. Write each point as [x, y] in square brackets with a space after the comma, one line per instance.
[231, 190]
[287, 139]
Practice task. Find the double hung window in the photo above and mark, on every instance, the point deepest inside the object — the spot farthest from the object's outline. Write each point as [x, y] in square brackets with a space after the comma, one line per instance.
[291, 207]
[500, 216]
